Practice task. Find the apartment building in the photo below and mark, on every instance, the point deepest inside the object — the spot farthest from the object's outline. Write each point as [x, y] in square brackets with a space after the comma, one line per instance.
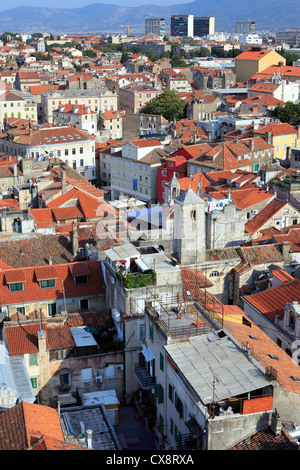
[79, 115]
[254, 60]
[282, 136]
[134, 169]
[245, 27]
[204, 26]
[155, 26]
[70, 144]
[15, 106]
[290, 36]
[133, 97]
[98, 100]
[182, 25]
[111, 124]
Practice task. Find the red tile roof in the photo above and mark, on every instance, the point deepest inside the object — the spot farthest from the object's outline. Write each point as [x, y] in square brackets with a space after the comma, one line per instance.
[271, 302]
[253, 54]
[261, 346]
[25, 423]
[64, 283]
[276, 128]
[260, 219]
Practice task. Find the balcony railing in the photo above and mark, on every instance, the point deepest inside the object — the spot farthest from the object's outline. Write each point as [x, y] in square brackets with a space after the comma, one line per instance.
[189, 442]
[145, 379]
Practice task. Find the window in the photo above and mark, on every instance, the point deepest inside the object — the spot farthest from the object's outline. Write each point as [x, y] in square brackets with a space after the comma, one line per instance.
[141, 332]
[21, 310]
[81, 150]
[171, 393]
[66, 152]
[171, 426]
[161, 424]
[81, 279]
[86, 375]
[16, 287]
[214, 274]
[47, 283]
[51, 309]
[159, 393]
[64, 380]
[33, 381]
[33, 359]
[178, 405]
[151, 332]
[292, 321]
[161, 362]
[84, 304]
[73, 151]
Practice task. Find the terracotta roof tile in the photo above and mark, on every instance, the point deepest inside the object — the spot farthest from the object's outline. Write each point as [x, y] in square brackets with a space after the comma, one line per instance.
[64, 286]
[271, 302]
[260, 219]
[261, 345]
[25, 423]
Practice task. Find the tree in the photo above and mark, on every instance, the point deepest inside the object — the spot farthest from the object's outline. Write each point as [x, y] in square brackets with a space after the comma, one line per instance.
[176, 61]
[124, 57]
[290, 57]
[290, 113]
[169, 104]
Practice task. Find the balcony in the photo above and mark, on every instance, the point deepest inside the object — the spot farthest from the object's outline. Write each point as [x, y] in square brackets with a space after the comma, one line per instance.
[146, 381]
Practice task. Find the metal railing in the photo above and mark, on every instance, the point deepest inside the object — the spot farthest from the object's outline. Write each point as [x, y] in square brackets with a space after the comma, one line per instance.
[143, 376]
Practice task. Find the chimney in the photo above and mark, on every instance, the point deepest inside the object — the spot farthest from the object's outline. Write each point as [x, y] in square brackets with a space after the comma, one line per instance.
[268, 137]
[276, 423]
[89, 433]
[74, 239]
[63, 181]
[50, 260]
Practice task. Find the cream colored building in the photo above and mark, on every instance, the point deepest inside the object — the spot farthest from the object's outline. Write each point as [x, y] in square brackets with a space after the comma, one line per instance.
[255, 60]
[72, 145]
[99, 100]
[138, 161]
[13, 105]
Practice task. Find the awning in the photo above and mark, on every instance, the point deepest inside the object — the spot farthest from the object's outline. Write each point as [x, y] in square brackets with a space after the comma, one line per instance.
[142, 265]
[147, 353]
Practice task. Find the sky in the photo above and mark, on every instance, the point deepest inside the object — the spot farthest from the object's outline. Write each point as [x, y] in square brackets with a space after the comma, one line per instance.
[82, 3]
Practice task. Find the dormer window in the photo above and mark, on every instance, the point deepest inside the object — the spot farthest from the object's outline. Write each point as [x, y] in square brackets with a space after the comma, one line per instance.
[81, 279]
[46, 276]
[17, 286]
[15, 279]
[47, 283]
[292, 320]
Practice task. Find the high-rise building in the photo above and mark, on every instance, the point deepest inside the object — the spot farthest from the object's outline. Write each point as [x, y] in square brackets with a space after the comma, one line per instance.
[182, 25]
[245, 27]
[289, 36]
[155, 26]
[204, 26]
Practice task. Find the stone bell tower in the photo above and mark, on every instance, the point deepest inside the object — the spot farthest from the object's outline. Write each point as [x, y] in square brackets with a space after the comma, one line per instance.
[189, 228]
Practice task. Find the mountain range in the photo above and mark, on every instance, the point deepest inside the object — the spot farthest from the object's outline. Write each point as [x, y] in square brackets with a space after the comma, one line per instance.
[269, 15]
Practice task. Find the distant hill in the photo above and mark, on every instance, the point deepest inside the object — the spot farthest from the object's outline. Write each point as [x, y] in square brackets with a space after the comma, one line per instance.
[269, 15]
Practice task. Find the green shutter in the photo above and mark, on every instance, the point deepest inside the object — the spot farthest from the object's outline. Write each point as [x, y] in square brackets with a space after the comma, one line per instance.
[151, 332]
[161, 362]
[171, 426]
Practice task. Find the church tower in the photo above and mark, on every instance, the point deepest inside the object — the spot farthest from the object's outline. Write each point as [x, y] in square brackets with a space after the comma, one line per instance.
[189, 228]
[172, 190]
